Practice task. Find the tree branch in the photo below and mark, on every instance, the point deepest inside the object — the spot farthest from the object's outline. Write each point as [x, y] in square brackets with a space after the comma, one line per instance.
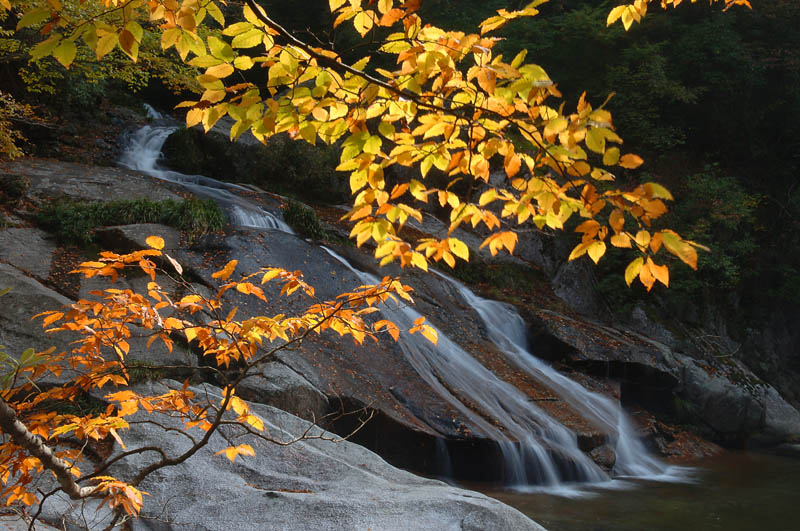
[22, 436]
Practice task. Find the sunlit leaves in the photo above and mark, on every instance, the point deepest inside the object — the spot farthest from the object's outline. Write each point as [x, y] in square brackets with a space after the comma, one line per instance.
[156, 242]
[227, 271]
[629, 13]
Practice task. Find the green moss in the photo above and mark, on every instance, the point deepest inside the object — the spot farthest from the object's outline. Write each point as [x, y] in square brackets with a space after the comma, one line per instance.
[304, 220]
[141, 372]
[75, 222]
[506, 281]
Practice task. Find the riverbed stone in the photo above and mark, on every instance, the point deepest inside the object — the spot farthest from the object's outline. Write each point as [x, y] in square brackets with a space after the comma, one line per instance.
[604, 456]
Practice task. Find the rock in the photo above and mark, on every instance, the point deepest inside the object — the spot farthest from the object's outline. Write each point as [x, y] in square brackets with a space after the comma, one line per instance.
[781, 420]
[589, 441]
[311, 484]
[16, 523]
[280, 386]
[51, 180]
[28, 250]
[740, 413]
[27, 298]
[604, 456]
[133, 237]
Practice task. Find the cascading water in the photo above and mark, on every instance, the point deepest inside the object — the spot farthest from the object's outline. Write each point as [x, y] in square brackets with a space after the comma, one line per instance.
[507, 330]
[143, 152]
[537, 450]
[538, 458]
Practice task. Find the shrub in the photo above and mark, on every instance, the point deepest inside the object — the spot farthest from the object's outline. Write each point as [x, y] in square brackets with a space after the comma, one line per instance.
[304, 220]
[13, 188]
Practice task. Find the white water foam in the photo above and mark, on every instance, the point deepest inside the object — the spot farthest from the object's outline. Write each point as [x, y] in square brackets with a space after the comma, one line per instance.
[143, 152]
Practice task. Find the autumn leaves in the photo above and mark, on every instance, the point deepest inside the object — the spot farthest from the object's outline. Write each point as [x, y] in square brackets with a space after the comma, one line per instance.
[441, 101]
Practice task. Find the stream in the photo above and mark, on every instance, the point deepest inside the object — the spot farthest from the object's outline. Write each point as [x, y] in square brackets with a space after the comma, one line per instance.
[732, 492]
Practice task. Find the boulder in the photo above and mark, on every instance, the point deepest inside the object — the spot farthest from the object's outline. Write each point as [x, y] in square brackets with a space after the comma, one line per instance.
[26, 299]
[29, 297]
[311, 484]
[281, 386]
[51, 180]
[604, 456]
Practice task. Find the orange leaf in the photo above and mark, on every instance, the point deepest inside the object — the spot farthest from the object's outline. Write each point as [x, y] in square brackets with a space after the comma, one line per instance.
[227, 271]
[630, 161]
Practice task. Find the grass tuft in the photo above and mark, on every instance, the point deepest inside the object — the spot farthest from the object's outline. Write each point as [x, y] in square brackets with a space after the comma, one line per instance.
[75, 222]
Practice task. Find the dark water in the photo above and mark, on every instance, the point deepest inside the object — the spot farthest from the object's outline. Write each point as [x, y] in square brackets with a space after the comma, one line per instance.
[734, 492]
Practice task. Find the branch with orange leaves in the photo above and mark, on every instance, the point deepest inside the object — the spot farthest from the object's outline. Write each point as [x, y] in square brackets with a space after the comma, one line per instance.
[103, 347]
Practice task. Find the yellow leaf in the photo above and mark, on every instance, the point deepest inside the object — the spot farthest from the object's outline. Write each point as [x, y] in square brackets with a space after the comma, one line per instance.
[579, 250]
[238, 405]
[358, 179]
[243, 62]
[363, 22]
[660, 273]
[611, 156]
[251, 38]
[617, 220]
[430, 334]
[642, 238]
[336, 4]
[632, 271]
[657, 191]
[596, 140]
[220, 71]
[227, 271]
[655, 242]
[596, 251]
[65, 53]
[233, 451]
[459, 248]
[680, 248]
[621, 240]
[627, 20]
[170, 37]
[613, 16]
[419, 261]
[156, 242]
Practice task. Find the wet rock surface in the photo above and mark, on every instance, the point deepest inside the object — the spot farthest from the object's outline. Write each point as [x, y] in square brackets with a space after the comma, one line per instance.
[328, 376]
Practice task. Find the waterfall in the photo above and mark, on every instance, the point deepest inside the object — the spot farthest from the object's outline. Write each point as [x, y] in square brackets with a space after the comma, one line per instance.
[144, 150]
[537, 449]
[506, 329]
